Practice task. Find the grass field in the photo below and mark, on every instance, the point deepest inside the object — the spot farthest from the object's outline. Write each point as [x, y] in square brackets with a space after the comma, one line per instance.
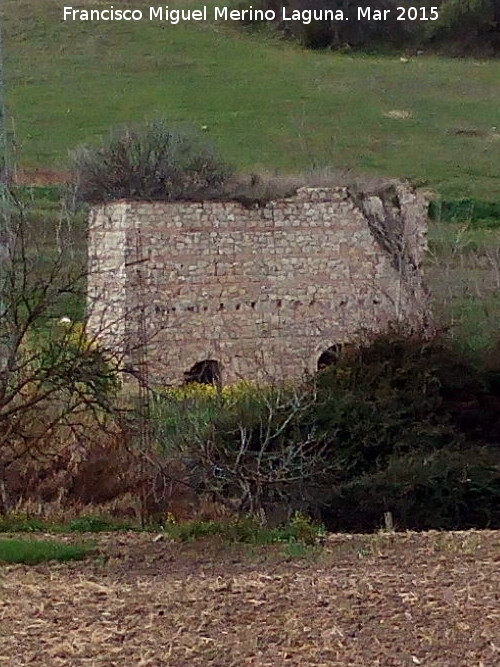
[266, 103]
[33, 552]
[463, 272]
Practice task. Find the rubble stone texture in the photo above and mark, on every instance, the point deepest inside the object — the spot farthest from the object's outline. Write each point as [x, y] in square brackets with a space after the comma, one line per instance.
[262, 291]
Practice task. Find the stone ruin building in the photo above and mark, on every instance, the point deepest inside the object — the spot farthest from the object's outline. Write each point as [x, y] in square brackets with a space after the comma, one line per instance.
[219, 291]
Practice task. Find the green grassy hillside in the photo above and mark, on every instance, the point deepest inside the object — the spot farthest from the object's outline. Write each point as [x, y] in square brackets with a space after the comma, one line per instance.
[265, 103]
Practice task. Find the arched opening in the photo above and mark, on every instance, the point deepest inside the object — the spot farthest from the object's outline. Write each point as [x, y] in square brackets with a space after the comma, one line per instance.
[205, 372]
[330, 356]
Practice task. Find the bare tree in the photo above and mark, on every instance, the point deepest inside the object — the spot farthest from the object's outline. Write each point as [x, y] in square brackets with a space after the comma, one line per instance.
[259, 452]
[56, 382]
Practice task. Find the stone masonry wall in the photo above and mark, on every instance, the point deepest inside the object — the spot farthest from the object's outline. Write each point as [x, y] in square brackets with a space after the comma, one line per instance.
[262, 291]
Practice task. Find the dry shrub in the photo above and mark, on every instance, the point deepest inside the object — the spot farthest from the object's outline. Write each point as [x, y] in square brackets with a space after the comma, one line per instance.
[258, 189]
[97, 468]
[149, 161]
[77, 461]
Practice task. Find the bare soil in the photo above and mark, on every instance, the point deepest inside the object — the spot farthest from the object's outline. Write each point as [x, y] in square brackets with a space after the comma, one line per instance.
[41, 177]
[388, 600]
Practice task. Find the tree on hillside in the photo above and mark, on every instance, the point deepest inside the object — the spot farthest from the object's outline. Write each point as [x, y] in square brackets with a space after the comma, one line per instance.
[469, 23]
[335, 34]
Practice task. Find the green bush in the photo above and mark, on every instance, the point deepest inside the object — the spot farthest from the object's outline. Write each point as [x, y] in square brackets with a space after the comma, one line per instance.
[15, 523]
[445, 490]
[23, 523]
[249, 530]
[98, 524]
[395, 395]
[408, 420]
[148, 162]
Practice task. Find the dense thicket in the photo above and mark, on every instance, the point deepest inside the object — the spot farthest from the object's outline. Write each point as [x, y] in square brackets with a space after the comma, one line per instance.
[468, 25]
[401, 425]
[417, 428]
[463, 26]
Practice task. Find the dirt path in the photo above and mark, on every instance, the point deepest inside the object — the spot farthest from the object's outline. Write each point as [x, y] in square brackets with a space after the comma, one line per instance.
[429, 599]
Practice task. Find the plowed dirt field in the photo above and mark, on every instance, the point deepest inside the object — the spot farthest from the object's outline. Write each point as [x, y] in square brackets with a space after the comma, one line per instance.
[408, 599]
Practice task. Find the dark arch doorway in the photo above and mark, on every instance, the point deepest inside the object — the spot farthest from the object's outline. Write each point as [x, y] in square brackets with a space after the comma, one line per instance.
[205, 372]
[330, 356]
